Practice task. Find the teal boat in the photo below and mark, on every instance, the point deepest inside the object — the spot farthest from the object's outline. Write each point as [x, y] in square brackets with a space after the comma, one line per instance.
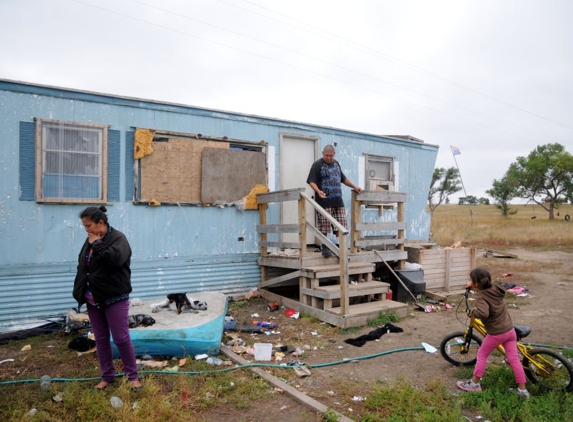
[186, 334]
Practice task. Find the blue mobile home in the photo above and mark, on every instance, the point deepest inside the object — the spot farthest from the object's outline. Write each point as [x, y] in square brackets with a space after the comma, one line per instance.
[176, 180]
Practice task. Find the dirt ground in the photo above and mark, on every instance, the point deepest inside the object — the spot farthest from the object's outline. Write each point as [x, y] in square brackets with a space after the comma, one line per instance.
[547, 275]
[340, 372]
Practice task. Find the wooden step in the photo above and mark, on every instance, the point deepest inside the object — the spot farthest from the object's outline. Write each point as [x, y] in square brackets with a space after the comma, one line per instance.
[326, 271]
[359, 289]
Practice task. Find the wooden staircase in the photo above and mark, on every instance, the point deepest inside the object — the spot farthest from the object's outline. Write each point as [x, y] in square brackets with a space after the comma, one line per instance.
[340, 289]
[321, 295]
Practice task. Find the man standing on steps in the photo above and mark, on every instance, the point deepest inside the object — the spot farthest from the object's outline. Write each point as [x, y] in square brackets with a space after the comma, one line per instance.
[325, 178]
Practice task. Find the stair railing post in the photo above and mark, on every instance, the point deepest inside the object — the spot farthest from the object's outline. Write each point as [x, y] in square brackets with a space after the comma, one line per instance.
[344, 280]
[302, 226]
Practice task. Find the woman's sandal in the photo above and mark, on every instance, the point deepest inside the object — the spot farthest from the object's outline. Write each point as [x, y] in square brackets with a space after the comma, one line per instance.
[96, 388]
[137, 389]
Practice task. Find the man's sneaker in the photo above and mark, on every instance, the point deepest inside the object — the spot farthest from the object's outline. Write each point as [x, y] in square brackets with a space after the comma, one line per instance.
[468, 385]
[325, 251]
[523, 394]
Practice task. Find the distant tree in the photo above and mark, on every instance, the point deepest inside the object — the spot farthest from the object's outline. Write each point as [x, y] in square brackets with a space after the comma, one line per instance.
[470, 200]
[445, 182]
[503, 191]
[483, 201]
[545, 176]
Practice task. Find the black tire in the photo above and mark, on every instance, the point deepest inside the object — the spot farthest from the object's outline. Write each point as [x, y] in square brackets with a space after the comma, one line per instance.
[450, 348]
[560, 370]
[567, 218]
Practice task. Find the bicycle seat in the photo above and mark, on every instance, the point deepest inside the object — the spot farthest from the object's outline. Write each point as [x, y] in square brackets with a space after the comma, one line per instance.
[522, 331]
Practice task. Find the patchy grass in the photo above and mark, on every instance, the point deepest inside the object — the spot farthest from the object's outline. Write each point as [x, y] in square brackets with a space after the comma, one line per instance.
[496, 402]
[384, 318]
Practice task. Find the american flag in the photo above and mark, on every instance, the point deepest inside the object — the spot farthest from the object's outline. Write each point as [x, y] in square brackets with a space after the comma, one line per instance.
[455, 150]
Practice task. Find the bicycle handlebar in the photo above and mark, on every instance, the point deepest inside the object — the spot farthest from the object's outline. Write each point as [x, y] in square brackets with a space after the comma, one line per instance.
[466, 296]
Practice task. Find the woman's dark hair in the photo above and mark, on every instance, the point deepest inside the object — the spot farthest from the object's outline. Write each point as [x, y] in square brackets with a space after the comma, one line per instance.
[481, 278]
[95, 214]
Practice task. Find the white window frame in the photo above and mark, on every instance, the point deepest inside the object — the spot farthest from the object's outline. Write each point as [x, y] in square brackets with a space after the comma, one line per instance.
[390, 182]
[42, 151]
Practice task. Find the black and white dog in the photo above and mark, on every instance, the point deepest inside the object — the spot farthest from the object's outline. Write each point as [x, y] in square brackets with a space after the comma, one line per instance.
[179, 301]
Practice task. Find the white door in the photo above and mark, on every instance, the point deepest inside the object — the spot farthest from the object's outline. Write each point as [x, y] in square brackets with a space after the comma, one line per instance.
[297, 154]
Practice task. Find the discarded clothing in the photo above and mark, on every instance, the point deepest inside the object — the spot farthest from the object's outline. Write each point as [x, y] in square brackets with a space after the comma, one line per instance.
[509, 286]
[517, 290]
[373, 335]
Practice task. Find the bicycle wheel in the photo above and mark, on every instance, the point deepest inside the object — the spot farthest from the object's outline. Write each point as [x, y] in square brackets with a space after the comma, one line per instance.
[556, 372]
[452, 345]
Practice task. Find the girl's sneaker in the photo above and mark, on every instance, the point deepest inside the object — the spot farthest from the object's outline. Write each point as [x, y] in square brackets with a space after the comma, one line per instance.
[523, 394]
[468, 385]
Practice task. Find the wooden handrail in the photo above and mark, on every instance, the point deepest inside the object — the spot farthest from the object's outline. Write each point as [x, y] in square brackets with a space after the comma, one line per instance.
[263, 199]
[339, 227]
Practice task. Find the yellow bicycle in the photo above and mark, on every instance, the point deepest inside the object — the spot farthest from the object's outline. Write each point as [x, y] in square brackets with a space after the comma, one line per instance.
[542, 366]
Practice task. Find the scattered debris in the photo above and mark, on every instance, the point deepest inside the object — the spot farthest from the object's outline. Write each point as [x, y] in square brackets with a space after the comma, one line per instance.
[429, 348]
[116, 402]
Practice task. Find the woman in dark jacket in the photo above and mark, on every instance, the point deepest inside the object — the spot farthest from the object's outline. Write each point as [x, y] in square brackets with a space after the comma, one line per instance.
[103, 283]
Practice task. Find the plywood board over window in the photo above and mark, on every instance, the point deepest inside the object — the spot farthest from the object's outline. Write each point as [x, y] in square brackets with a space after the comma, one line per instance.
[229, 175]
[172, 173]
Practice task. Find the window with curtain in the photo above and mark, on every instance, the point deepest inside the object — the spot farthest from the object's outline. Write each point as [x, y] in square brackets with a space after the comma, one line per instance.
[71, 162]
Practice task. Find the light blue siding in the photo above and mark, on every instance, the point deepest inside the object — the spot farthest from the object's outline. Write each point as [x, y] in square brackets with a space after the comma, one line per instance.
[197, 246]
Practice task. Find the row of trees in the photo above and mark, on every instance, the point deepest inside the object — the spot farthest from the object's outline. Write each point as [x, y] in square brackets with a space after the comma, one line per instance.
[544, 177]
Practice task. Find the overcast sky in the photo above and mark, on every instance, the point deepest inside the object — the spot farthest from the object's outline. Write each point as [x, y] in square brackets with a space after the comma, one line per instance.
[492, 77]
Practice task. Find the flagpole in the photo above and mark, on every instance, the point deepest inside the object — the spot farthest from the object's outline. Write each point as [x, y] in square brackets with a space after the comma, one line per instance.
[461, 180]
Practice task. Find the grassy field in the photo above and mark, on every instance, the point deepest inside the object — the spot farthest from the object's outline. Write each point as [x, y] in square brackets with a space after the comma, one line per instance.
[483, 226]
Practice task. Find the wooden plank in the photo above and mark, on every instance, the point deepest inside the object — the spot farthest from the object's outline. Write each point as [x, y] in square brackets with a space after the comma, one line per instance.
[281, 245]
[341, 229]
[381, 226]
[370, 256]
[377, 197]
[354, 290]
[327, 317]
[263, 222]
[335, 273]
[300, 397]
[344, 298]
[401, 213]
[379, 242]
[358, 317]
[272, 261]
[355, 208]
[448, 262]
[324, 240]
[278, 228]
[302, 225]
[279, 196]
[280, 279]
[351, 265]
